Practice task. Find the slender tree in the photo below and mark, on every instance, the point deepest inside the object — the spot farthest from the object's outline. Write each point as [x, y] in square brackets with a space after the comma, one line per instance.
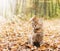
[45, 6]
[56, 8]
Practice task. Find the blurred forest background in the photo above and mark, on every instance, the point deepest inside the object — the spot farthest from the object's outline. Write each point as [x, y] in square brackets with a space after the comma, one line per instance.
[29, 8]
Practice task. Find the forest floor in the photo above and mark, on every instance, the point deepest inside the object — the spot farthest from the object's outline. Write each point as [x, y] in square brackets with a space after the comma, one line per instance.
[14, 35]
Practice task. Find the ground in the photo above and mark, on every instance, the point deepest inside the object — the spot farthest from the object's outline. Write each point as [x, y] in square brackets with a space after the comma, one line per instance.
[14, 36]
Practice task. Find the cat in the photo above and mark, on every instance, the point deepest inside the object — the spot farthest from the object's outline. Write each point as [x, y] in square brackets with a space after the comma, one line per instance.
[37, 37]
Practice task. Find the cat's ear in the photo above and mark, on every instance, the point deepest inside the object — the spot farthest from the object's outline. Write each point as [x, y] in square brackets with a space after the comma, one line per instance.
[32, 18]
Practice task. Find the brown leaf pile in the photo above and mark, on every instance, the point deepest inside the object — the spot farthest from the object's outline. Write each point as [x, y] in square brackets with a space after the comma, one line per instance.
[14, 36]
